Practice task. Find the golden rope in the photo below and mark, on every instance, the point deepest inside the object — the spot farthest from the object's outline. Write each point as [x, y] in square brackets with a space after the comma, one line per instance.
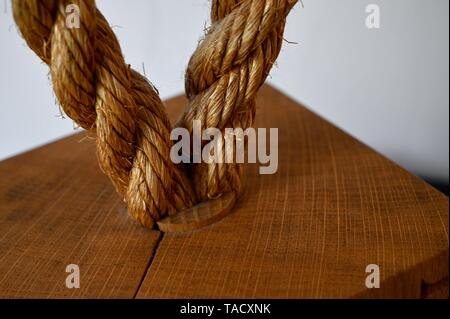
[224, 75]
[102, 94]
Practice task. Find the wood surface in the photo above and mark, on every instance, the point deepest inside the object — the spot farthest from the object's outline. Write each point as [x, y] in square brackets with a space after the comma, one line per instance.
[309, 231]
[57, 208]
[201, 215]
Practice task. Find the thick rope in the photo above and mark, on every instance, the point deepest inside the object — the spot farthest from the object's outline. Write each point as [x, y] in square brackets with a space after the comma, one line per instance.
[224, 75]
[103, 94]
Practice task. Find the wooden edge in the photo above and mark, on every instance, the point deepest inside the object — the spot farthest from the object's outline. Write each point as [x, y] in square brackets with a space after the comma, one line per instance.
[438, 290]
[201, 215]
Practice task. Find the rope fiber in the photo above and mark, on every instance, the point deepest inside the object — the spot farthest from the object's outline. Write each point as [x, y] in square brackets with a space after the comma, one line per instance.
[104, 95]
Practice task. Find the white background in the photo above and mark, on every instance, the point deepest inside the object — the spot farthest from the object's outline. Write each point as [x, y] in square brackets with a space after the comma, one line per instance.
[387, 87]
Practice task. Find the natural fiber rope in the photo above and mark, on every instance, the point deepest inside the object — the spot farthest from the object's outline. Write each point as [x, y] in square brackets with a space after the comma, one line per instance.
[224, 75]
[104, 95]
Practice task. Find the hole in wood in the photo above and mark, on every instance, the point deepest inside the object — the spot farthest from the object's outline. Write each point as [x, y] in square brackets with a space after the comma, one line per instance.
[201, 215]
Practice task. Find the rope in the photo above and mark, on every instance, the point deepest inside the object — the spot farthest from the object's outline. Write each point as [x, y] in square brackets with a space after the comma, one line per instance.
[224, 75]
[104, 95]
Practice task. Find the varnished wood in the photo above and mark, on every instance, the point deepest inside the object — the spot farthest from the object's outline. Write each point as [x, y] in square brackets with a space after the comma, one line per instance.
[334, 207]
[57, 208]
[201, 215]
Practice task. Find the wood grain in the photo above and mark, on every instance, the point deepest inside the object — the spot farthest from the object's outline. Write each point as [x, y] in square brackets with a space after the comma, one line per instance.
[334, 207]
[201, 215]
[57, 208]
[309, 231]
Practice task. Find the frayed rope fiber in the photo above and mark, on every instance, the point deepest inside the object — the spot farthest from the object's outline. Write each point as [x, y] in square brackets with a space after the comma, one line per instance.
[104, 95]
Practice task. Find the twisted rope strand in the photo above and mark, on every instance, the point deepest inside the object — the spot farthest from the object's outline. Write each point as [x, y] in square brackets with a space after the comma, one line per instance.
[224, 75]
[100, 92]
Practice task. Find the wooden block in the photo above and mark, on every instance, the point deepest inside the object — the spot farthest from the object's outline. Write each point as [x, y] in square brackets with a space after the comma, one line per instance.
[56, 209]
[334, 207]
